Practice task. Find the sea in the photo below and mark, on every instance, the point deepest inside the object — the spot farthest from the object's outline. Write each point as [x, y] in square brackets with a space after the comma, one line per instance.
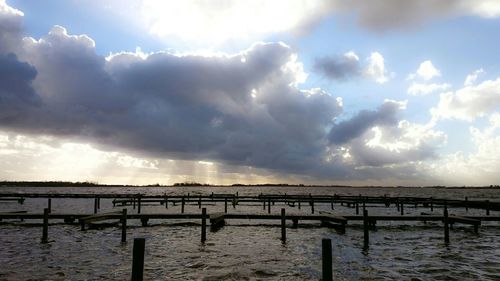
[248, 249]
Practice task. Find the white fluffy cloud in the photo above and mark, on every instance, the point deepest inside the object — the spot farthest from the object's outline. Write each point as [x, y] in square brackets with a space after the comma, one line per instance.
[425, 71]
[469, 102]
[471, 78]
[376, 68]
[422, 89]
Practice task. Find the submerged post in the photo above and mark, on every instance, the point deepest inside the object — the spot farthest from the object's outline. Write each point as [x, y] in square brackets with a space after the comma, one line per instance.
[138, 259]
[312, 206]
[332, 202]
[357, 208]
[225, 205]
[203, 225]
[402, 208]
[446, 226]
[199, 202]
[95, 205]
[182, 204]
[487, 207]
[466, 204]
[326, 245]
[124, 225]
[268, 205]
[283, 226]
[45, 230]
[166, 202]
[366, 234]
[49, 205]
[432, 204]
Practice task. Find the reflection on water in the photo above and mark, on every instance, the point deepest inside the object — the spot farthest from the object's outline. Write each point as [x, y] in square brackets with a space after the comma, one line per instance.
[249, 250]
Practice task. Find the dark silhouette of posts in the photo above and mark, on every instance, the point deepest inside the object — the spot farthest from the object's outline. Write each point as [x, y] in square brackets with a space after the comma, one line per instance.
[366, 234]
[283, 226]
[124, 225]
[357, 208]
[182, 204]
[446, 226]
[331, 202]
[487, 207]
[402, 208]
[203, 225]
[264, 204]
[432, 204]
[199, 202]
[326, 245]
[166, 202]
[95, 205]
[312, 206]
[299, 203]
[466, 204]
[45, 230]
[139, 204]
[138, 259]
[268, 205]
[49, 205]
[225, 205]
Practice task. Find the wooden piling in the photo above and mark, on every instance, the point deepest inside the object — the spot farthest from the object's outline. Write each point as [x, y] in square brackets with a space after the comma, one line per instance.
[432, 204]
[264, 204]
[182, 204]
[139, 204]
[124, 225]
[199, 202]
[268, 205]
[312, 206]
[98, 202]
[446, 226]
[366, 234]
[283, 226]
[299, 204]
[203, 225]
[49, 205]
[466, 204]
[357, 208]
[402, 208]
[138, 259]
[166, 202]
[326, 252]
[133, 203]
[331, 202]
[487, 207]
[45, 230]
[95, 205]
[225, 205]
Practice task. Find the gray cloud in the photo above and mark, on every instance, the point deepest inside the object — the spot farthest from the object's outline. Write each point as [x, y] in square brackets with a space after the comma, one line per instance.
[338, 68]
[239, 110]
[347, 130]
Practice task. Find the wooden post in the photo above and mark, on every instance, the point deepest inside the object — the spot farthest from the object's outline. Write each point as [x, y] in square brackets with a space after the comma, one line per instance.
[312, 206]
[49, 205]
[326, 245]
[124, 225]
[45, 230]
[332, 202]
[299, 203]
[133, 202]
[166, 202]
[264, 204]
[466, 204]
[283, 226]
[357, 208]
[432, 204]
[446, 226]
[402, 208]
[199, 202]
[203, 225]
[138, 259]
[98, 202]
[234, 202]
[366, 234]
[225, 205]
[95, 205]
[487, 207]
[182, 204]
[139, 204]
[364, 205]
[268, 205]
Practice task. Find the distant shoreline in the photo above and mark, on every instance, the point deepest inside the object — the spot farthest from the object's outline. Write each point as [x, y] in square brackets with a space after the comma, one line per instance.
[194, 184]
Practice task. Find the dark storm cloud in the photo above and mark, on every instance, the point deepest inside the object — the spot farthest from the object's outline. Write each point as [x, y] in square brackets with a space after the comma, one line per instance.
[345, 131]
[239, 110]
[338, 68]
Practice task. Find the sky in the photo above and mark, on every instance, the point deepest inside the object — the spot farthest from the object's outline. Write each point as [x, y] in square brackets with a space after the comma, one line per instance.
[382, 92]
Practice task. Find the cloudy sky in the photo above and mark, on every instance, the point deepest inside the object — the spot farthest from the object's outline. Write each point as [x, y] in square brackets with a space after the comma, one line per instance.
[327, 92]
